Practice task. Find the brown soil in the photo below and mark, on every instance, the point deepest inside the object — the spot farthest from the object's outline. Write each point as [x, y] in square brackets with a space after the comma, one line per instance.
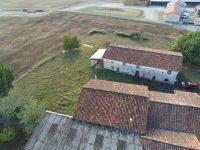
[27, 41]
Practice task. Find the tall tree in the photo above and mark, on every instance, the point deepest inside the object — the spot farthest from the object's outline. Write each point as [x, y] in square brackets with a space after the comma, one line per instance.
[189, 45]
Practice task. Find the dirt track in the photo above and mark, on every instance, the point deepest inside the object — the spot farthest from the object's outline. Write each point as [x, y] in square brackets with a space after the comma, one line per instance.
[25, 41]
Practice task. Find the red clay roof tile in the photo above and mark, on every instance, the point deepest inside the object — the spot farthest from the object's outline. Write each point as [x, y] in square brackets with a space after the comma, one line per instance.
[113, 104]
[173, 138]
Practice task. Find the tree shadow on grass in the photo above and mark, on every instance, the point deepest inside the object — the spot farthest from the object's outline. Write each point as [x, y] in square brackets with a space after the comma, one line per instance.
[72, 55]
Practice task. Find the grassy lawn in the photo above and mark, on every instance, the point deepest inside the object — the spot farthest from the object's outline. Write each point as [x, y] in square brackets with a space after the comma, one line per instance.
[191, 73]
[113, 11]
[58, 82]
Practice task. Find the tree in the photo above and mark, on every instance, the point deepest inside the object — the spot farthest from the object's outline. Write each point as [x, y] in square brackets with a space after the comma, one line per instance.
[6, 78]
[71, 42]
[189, 45]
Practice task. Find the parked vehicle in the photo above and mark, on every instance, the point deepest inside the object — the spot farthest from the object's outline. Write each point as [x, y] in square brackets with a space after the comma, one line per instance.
[32, 10]
[193, 86]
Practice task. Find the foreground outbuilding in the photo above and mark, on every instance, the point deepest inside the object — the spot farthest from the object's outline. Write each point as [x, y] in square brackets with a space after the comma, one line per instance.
[119, 116]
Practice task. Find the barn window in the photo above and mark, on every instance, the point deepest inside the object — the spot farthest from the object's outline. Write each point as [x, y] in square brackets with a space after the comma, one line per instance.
[169, 72]
[166, 80]
[137, 67]
[154, 78]
[112, 67]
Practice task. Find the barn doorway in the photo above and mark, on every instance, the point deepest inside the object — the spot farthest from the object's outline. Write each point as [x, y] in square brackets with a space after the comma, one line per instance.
[137, 73]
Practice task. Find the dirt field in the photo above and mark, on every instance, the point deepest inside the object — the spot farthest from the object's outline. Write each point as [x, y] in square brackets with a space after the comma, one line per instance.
[25, 42]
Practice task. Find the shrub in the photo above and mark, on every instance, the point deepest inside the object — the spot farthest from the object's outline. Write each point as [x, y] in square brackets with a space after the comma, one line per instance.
[10, 109]
[30, 115]
[122, 34]
[133, 35]
[7, 134]
[6, 78]
[189, 45]
[96, 31]
[70, 42]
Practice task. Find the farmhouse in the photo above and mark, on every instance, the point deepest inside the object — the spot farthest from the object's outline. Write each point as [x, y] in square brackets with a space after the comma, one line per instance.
[119, 116]
[155, 64]
[164, 2]
[174, 10]
[197, 10]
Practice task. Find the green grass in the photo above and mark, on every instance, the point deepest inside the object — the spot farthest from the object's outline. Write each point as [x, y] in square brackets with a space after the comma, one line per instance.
[191, 73]
[113, 11]
[58, 82]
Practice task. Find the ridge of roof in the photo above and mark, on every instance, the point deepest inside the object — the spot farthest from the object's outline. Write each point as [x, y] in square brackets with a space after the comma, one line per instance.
[117, 87]
[150, 50]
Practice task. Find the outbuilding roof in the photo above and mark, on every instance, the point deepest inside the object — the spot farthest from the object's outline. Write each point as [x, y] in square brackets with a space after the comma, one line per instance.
[156, 58]
[117, 87]
[173, 10]
[98, 54]
[178, 98]
[112, 104]
[180, 3]
[198, 7]
[183, 140]
[61, 132]
[175, 7]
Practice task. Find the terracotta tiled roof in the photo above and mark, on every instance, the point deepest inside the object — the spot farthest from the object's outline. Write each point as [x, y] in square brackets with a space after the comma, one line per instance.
[165, 112]
[173, 10]
[176, 7]
[178, 98]
[117, 87]
[173, 138]
[155, 58]
[113, 104]
[177, 3]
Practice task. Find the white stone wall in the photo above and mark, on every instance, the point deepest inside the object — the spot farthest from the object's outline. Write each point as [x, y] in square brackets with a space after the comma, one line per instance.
[143, 72]
[172, 18]
[93, 62]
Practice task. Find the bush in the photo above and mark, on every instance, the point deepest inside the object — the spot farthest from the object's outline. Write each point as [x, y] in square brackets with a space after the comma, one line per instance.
[122, 34]
[189, 45]
[30, 115]
[96, 31]
[133, 35]
[7, 134]
[71, 42]
[10, 109]
[6, 78]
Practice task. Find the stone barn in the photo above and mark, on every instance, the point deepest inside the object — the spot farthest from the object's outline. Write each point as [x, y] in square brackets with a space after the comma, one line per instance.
[154, 64]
